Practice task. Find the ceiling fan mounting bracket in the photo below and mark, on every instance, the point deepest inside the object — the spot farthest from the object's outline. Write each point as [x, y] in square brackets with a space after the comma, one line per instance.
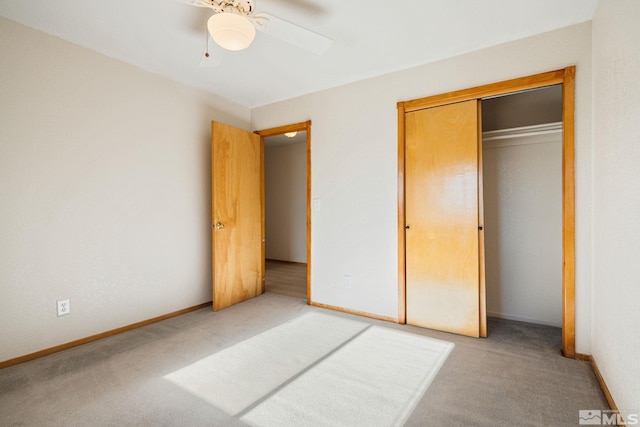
[239, 7]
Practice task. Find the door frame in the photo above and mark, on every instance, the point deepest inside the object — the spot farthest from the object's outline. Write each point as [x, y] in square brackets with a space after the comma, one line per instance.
[564, 76]
[279, 130]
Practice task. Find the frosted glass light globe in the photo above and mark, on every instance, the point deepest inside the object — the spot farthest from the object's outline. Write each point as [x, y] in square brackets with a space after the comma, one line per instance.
[231, 31]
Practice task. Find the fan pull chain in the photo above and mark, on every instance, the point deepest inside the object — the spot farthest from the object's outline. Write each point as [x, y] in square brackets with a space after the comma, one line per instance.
[206, 33]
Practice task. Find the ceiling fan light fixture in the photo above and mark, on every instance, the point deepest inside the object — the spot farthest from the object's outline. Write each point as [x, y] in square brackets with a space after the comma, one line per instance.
[290, 134]
[231, 31]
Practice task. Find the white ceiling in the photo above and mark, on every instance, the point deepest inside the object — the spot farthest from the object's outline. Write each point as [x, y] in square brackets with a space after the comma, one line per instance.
[370, 38]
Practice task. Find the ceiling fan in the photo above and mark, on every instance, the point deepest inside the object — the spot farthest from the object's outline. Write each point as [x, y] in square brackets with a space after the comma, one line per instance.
[233, 26]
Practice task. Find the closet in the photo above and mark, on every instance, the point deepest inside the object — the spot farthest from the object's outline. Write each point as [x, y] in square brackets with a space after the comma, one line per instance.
[522, 177]
[441, 227]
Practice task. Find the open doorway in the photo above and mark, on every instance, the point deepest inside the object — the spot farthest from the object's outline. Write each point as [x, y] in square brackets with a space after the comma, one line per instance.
[522, 198]
[286, 217]
[285, 194]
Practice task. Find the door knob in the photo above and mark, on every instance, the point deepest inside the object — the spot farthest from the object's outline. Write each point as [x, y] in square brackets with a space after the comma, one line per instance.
[406, 227]
[219, 225]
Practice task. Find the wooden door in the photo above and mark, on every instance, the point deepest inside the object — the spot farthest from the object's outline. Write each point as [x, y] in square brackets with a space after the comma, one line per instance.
[236, 215]
[443, 286]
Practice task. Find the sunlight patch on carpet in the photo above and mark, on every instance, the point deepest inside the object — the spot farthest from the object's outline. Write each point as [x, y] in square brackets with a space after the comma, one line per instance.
[374, 380]
[238, 376]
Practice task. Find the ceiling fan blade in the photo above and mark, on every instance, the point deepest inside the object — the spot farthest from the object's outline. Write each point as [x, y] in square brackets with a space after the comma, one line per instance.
[198, 3]
[293, 34]
[303, 6]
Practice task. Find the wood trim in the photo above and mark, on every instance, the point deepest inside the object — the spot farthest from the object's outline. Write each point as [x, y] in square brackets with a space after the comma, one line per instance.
[309, 211]
[279, 130]
[568, 214]
[355, 312]
[76, 343]
[402, 289]
[484, 91]
[603, 385]
[566, 77]
[263, 227]
[583, 357]
[481, 254]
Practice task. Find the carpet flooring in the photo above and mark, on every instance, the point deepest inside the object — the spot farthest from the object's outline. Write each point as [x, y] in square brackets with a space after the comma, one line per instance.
[516, 376]
[374, 378]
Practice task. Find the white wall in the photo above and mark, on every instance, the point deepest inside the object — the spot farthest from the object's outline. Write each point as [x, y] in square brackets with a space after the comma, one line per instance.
[104, 191]
[523, 227]
[616, 194]
[285, 181]
[354, 165]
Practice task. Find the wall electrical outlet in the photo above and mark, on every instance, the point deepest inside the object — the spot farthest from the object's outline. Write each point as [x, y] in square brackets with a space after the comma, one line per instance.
[64, 307]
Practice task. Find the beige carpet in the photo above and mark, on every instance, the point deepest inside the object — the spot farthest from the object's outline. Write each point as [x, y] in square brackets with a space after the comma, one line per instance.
[375, 379]
[318, 369]
[238, 376]
[516, 376]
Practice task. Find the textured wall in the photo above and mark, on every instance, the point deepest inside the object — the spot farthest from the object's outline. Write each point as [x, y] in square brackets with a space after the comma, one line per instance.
[285, 180]
[523, 227]
[616, 160]
[354, 165]
[104, 192]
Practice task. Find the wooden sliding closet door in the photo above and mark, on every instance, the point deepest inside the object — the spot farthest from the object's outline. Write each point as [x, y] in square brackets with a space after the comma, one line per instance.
[442, 218]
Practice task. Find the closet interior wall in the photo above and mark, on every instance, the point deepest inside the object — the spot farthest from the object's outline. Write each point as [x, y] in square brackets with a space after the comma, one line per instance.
[522, 168]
